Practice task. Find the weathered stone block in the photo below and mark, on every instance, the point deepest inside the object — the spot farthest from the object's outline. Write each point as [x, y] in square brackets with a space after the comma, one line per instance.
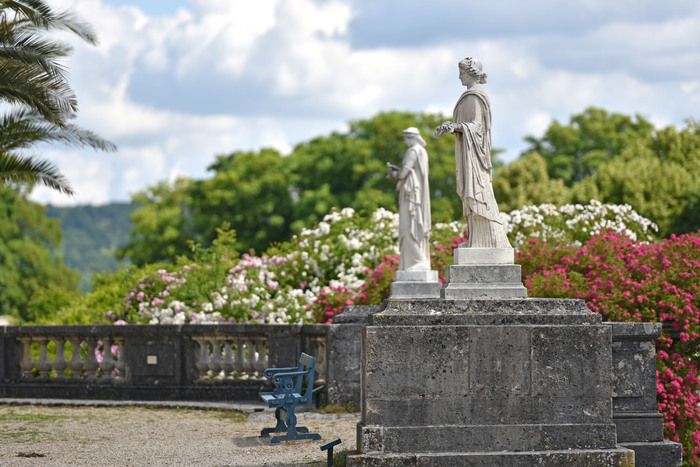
[344, 354]
[659, 454]
[487, 438]
[484, 255]
[639, 427]
[485, 274]
[415, 290]
[465, 291]
[639, 424]
[618, 457]
[416, 276]
[491, 382]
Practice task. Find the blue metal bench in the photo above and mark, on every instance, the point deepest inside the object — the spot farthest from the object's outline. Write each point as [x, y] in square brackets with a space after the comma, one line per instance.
[287, 395]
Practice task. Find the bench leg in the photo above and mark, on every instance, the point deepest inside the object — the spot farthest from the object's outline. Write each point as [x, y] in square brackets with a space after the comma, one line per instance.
[294, 432]
[279, 428]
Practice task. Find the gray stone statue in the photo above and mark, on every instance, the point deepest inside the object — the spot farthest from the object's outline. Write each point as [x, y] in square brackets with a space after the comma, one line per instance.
[472, 128]
[414, 203]
[414, 278]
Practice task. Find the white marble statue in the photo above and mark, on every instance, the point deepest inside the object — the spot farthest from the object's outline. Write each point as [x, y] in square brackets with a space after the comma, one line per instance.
[472, 128]
[414, 204]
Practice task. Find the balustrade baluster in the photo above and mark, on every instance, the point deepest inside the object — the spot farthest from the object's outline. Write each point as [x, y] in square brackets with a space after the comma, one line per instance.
[120, 363]
[239, 358]
[44, 364]
[320, 348]
[59, 363]
[227, 365]
[27, 362]
[91, 362]
[203, 361]
[250, 358]
[76, 361]
[215, 362]
[261, 357]
[107, 363]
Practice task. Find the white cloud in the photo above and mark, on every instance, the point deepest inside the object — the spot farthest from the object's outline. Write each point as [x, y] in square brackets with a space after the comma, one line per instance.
[175, 90]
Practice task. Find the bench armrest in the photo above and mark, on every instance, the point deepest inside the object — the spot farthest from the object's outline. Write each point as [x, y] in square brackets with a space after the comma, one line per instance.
[277, 378]
[272, 371]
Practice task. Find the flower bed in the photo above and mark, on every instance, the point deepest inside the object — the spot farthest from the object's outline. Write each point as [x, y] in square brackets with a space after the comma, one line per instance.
[624, 280]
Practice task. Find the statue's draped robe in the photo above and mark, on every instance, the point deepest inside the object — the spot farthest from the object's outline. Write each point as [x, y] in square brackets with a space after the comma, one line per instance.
[414, 211]
[473, 157]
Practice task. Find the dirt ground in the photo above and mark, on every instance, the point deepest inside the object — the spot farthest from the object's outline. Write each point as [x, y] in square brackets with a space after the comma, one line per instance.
[139, 436]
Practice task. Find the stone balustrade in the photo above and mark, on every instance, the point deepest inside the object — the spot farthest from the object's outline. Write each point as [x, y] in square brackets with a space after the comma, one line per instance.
[214, 362]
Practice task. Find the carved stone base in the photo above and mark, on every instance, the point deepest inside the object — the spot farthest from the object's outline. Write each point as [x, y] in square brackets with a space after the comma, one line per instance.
[487, 383]
[480, 273]
[571, 458]
[415, 285]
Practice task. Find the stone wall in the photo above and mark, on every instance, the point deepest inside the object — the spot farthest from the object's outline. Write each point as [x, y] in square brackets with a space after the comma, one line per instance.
[160, 362]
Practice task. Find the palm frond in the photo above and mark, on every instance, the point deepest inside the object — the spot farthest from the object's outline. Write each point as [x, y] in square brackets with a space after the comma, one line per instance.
[21, 129]
[27, 170]
[29, 85]
[31, 50]
[40, 14]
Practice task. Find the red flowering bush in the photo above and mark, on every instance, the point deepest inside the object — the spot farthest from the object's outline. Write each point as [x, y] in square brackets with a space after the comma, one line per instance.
[624, 280]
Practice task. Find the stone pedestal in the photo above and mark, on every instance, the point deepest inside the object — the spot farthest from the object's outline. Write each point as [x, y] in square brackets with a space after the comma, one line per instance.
[416, 285]
[487, 383]
[344, 350]
[635, 413]
[484, 273]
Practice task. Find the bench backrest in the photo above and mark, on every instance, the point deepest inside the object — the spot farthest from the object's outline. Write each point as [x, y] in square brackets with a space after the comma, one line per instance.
[309, 363]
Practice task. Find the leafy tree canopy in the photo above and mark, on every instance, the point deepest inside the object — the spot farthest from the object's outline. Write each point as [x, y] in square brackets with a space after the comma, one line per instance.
[29, 266]
[617, 159]
[266, 196]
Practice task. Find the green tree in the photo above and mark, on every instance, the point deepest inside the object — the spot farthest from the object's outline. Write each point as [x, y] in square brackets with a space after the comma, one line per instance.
[250, 192]
[33, 82]
[616, 159]
[348, 169]
[266, 196]
[591, 138]
[659, 185]
[526, 181]
[28, 262]
[162, 225]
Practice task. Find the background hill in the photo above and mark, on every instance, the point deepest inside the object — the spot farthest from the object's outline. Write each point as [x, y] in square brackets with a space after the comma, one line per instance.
[92, 235]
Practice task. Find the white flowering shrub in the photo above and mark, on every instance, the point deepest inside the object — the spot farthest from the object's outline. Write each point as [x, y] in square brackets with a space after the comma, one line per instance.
[346, 258]
[576, 223]
[317, 271]
[306, 279]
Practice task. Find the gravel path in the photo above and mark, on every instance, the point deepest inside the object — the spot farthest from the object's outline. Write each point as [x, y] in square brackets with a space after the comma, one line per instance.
[139, 436]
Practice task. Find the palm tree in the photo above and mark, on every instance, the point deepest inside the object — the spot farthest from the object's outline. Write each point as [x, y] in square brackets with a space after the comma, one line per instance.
[33, 82]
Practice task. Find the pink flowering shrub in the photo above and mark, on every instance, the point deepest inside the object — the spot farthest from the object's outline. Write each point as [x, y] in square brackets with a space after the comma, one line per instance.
[624, 280]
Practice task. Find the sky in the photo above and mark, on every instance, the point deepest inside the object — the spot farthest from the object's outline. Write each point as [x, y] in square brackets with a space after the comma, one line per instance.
[174, 83]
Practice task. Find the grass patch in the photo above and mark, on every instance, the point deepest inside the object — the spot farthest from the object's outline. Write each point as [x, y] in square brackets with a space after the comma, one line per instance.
[233, 416]
[12, 416]
[339, 408]
[22, 436]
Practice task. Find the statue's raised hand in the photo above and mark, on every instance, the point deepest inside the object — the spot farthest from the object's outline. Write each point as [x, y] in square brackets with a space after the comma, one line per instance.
[444, 128]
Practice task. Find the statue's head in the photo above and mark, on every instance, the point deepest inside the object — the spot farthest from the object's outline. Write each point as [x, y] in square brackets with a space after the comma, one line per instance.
[471, 71]
[412, 136]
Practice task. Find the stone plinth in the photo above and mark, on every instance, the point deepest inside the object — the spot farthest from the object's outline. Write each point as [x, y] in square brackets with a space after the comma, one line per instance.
[416, 285]
[635, 413]
[344, 350]
[487, 383]
[480, 273]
